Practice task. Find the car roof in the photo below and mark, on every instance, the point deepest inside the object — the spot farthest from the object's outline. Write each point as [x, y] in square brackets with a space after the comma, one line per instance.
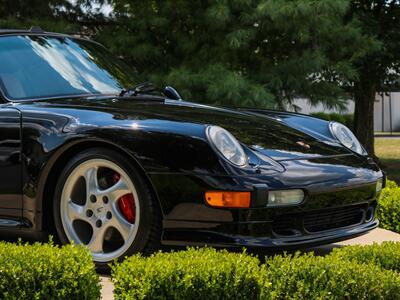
[39, 31]
[8, 31]
[33, 30]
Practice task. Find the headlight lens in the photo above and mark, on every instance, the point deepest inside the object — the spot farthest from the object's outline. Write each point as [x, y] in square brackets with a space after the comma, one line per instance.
[285, 197]
[346, 137]
[227, 145]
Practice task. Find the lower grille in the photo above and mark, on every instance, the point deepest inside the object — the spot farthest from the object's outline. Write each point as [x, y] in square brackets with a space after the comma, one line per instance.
[320, 220]
[333, 218]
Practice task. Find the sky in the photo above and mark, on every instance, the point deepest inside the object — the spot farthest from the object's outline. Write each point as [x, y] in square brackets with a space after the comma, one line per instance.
[105, 9]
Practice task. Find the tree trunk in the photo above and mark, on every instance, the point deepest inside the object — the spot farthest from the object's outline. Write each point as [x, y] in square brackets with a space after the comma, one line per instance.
[364, 97]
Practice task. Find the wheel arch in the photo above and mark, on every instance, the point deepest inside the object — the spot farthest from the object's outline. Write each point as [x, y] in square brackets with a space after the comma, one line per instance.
[58, 161]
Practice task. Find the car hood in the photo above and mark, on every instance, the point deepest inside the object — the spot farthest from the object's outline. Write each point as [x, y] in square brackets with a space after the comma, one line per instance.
[266, 134]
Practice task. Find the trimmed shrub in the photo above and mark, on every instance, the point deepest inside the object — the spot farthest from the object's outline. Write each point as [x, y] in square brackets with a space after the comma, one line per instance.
[390, 184]
[357, 272]
[192, 274]
[331, 277]
[346, 119]
[45, 271]
[386, 255]
[388, 210]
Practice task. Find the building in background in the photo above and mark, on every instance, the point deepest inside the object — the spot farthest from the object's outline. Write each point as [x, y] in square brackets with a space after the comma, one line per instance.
[386, 116]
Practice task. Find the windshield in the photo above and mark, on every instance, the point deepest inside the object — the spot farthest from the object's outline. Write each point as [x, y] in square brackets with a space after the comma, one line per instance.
[48, 66]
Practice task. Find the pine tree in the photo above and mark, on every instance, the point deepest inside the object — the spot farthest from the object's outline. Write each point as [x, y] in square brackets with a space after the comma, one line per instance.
[379, 70]
[52, 15]
[241, 52]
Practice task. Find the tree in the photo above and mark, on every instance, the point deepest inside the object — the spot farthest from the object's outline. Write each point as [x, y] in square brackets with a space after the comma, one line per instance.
[52, 15]
[313, 49]
[379, 69]
[241, 52]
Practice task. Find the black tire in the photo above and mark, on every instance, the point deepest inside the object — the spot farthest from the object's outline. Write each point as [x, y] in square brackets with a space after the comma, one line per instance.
[147, 239]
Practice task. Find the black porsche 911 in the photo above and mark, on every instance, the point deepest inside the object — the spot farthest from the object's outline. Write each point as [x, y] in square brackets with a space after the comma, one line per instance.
[90, 153]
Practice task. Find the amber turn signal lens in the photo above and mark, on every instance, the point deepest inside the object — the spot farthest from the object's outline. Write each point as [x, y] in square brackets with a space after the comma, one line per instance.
[228, 199]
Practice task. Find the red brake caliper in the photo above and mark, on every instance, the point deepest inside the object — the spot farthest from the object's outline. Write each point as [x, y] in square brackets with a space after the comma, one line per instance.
[126, 203]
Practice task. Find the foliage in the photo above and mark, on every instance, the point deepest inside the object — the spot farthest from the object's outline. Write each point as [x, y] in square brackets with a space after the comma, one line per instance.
[379, 20]
[378, 70]
[349, 273]
[192, 274]
[346, 119]
[241, 52]
[52, 15]
[332, 277]
[386, 255]
[45, 271]
[390, 184]
[388, 210]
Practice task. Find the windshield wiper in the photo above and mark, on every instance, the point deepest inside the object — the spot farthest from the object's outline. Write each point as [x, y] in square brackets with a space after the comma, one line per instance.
[141, 88]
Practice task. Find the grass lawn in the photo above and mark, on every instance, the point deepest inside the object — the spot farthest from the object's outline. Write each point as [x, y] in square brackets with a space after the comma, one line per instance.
[386, 133]
[388, 150]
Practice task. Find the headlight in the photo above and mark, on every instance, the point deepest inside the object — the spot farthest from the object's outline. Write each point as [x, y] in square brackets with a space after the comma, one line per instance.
[285, 197]
[227, 145]
[346, 137]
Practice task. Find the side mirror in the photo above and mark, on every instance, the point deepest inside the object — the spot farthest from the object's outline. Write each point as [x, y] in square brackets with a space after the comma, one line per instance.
[171, 93]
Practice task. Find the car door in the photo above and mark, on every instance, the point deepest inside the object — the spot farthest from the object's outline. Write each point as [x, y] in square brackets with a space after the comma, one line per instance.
[10, 166]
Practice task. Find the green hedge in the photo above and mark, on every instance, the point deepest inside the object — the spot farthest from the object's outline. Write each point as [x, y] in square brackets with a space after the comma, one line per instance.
[192, 274]
[388, 211]
[45, 271]
[332, 277]
[212, 274]
[346, 119]
[386, 255]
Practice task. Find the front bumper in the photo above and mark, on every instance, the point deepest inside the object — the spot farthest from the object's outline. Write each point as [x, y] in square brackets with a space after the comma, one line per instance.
[324, 217]
[339, 204]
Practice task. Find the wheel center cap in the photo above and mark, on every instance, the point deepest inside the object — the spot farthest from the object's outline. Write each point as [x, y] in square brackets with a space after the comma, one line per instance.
[99, 211]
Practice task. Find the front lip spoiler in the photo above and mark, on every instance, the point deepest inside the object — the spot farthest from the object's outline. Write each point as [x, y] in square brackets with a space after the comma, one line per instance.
[269, 243]
[316, 239]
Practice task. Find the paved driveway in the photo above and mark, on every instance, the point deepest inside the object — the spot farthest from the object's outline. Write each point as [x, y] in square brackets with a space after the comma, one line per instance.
[375, 236]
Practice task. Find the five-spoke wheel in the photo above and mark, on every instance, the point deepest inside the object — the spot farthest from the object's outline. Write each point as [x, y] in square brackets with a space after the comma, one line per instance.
[99, 205]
